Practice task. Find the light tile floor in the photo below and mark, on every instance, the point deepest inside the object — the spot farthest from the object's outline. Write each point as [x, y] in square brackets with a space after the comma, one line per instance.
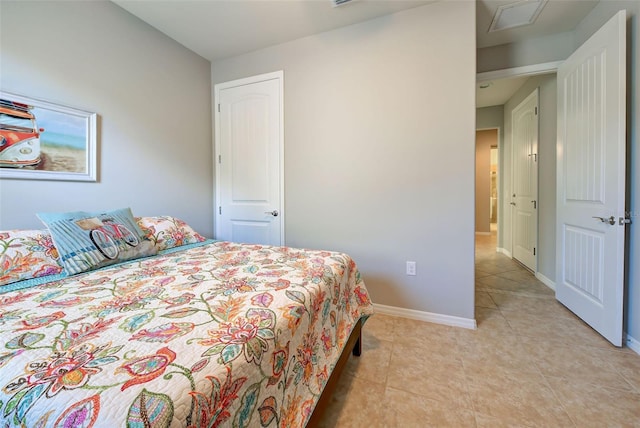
[531, 362]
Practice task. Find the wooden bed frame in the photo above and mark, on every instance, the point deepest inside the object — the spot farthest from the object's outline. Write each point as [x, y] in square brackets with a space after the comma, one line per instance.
[354, 345]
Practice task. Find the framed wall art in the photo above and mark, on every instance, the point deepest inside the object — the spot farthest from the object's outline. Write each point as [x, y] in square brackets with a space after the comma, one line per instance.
[40, 140]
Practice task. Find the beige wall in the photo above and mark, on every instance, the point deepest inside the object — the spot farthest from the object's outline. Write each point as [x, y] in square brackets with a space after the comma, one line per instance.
[485, 139]
[379, 149]
[152, 156]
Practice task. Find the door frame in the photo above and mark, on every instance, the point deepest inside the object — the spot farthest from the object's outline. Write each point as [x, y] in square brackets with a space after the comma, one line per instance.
[527, 70]
[275, 75]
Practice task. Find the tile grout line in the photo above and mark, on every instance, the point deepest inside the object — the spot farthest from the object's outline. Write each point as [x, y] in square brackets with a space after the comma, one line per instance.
[555, 394]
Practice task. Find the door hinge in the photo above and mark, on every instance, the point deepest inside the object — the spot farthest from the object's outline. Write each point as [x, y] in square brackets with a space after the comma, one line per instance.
[536, 110]
[220, 210]
[218, 108]
[219, 158]
[534, 251]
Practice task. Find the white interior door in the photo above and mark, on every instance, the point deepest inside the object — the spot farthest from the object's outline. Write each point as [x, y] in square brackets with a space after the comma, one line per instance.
[525, 180]
[591, 180]
[249, 153]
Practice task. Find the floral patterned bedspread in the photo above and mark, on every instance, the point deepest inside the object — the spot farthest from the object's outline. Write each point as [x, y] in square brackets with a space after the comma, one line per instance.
[221, 334]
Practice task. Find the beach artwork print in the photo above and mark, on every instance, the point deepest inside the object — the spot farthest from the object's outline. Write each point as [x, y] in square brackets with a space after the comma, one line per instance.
[46, 141]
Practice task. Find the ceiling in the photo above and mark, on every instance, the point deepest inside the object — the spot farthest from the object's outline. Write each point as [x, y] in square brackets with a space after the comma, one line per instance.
[499, 91]
[218, 29]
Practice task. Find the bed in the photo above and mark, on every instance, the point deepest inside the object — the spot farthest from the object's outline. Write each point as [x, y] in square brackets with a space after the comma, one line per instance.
[201, 334]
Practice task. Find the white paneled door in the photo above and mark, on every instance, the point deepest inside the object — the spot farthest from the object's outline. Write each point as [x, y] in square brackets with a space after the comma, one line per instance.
[524, 198]
[591, 160]
[248, 158]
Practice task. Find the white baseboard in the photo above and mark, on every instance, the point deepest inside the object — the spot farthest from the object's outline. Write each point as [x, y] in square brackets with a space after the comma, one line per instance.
[633, 344]
[504, 251]
[483, 233]
[546, 281]
[426, 316]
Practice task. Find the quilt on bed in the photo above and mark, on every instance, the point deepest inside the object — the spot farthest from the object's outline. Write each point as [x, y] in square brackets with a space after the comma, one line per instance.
[221, 334]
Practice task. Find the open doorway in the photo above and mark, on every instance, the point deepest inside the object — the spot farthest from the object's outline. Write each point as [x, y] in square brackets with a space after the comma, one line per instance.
[493, 189]
[501, 283]
[496, 270]
[490, 115]
[486, 208]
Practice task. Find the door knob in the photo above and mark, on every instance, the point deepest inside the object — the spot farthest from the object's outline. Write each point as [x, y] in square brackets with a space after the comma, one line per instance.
[273, 213]
[611, 220]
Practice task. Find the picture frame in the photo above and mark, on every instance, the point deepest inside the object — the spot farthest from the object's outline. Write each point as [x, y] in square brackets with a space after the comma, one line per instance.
[41, 140]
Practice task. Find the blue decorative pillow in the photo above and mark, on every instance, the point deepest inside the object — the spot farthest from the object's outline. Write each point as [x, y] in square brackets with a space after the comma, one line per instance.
[90, 240]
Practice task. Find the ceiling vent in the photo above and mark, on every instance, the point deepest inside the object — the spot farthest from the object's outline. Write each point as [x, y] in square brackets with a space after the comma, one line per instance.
[516, 14]
[337, 3]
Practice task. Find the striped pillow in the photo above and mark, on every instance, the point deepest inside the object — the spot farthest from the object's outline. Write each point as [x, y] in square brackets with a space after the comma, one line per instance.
[90, 240]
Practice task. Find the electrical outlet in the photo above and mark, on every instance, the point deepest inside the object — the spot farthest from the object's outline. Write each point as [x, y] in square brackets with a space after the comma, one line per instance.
[411, 268]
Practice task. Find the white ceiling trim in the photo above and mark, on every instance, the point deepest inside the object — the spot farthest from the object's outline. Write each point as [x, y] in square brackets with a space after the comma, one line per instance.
[526, 70]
